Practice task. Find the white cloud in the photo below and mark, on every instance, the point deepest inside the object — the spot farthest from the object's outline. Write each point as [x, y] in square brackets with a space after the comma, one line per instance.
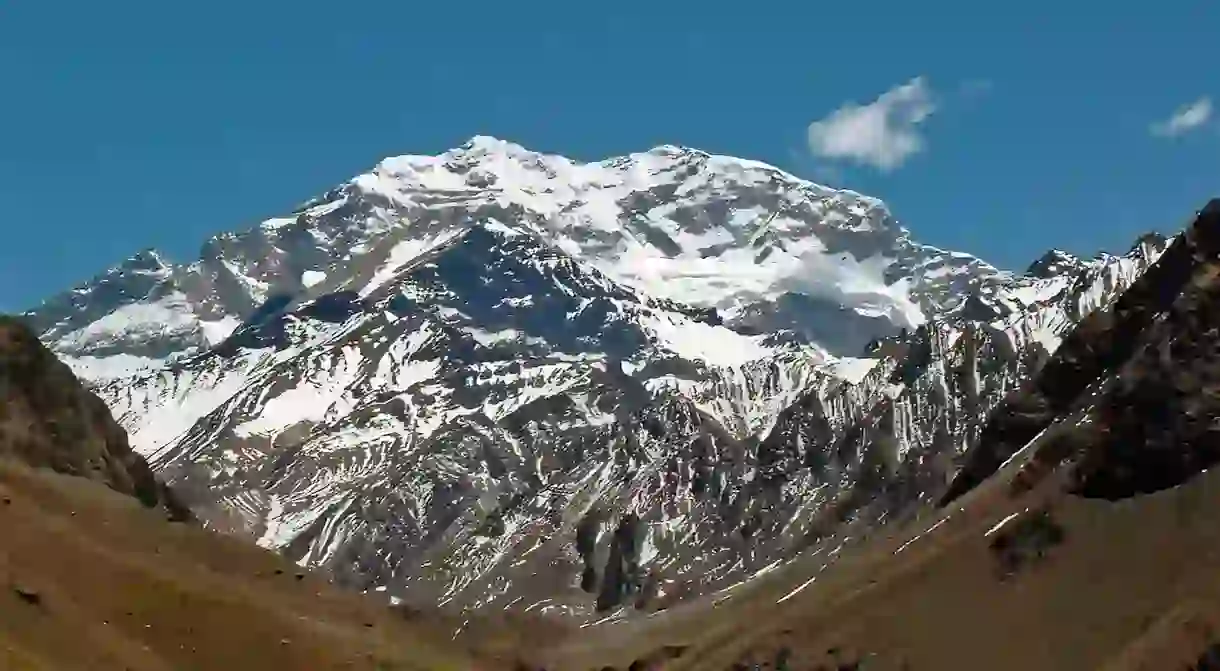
[882, 134]
[1185, 119]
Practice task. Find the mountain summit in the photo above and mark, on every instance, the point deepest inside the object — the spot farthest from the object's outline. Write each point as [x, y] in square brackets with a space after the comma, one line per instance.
[765, 248]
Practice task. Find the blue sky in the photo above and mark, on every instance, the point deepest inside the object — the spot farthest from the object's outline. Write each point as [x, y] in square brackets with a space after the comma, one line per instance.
[1000, 129]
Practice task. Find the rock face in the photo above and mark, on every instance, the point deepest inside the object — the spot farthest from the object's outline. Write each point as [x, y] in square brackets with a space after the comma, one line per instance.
[1082, 517]
[1131, 394]
[49, 420]
[495, 377]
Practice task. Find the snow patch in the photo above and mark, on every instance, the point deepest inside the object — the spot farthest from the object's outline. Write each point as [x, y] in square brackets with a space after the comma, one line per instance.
[404, 253]
[1000, 525]
[136, 322]
[215, 332]
[716, 345]
[919, 536]
[109, 367]
[852, 369]
[310, 278]
[800, 588]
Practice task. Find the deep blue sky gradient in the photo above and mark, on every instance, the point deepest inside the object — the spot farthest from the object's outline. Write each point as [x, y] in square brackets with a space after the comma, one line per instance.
[138, 123]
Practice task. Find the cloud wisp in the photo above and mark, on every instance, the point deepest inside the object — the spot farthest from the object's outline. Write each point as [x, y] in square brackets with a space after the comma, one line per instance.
[1185, 119]
[883, 134]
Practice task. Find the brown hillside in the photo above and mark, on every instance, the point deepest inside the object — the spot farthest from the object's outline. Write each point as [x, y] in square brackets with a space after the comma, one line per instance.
[95, 578]
[1072, 584]
[94, 581]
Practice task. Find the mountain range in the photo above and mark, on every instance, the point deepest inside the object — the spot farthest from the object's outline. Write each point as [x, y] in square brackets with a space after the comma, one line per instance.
[495, 378]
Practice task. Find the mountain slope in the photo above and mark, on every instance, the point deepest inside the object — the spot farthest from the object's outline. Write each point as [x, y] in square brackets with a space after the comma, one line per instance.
[97, 578]
[1094, 546]
[499, 378]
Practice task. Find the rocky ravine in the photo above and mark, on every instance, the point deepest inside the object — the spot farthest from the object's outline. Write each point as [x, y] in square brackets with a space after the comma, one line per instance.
[495, 377]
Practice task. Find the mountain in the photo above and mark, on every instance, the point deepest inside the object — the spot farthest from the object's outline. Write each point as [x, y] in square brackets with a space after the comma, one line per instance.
[505, 379]
[680, 224]
[1079, 534]
[103, 569]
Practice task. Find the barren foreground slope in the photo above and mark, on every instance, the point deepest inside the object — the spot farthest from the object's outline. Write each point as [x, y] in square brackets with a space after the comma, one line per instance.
[1125, 585]
[101, 568]
[94, 581]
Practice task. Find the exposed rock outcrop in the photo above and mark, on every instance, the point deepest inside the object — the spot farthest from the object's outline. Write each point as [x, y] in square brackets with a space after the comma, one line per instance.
[49, 420]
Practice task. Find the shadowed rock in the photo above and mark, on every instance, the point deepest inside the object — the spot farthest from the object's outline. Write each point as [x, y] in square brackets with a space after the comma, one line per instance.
[1164, 318]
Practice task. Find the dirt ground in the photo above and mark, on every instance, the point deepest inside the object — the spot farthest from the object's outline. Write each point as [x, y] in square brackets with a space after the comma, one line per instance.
[1114, 586]
[92, 580]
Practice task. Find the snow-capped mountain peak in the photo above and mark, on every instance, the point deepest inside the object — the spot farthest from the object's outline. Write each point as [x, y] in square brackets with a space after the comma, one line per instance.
[767, 249]
[531, 369]
[698, 228]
